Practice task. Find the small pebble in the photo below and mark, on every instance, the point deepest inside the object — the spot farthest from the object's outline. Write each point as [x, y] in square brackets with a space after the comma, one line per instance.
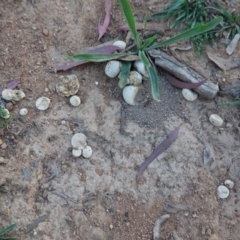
[111, 226]
[229, 184]
[223, 192]
[45, 32]
[2, 160]
[63, 122]
[9, 106]
[4, 146]
[215, 120]
[213, 237]
[189, 95]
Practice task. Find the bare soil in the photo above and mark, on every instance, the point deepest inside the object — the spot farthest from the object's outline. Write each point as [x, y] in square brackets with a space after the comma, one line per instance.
[98, 198]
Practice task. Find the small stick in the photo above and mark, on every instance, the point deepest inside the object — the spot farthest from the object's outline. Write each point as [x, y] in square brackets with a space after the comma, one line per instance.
[35, 223]
[157, 226]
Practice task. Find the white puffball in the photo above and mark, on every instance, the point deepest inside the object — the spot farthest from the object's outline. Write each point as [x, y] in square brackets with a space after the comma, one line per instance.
[113, 68]
[189, 95]
[87, 152]
[75, 101]
[78, 141]
[140, 67]
[229, 183]
[223, 192]
[43, 103]
[5, 113]
[215, 120]
[135, 78]
[76, 152]
[23, 111]
[129, 94]
[12, 95]
[120, 44]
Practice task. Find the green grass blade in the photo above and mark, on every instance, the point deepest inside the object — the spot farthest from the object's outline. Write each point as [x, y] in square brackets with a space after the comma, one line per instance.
[147, 42]
[202, 28]
[229, 104]
[224, 12]
[123, 75]
[128, 14]
[152, 75]
[6, 230]
[97, 57]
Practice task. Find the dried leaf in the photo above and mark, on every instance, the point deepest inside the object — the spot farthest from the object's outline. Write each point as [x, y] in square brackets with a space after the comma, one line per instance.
[177, 83]
[108, 49]
[160, 149]
[12, 84]
[225, 64]
[103, 28]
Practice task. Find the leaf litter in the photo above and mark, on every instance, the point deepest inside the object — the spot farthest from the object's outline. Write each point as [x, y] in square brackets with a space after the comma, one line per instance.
[160, 149]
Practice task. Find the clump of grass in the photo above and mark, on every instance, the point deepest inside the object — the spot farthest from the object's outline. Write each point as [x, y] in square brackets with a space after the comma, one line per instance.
[184, 14]
[5, 118]
[6, 230]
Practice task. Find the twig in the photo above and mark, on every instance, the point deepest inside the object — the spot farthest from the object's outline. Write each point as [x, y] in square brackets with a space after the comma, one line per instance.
[35, 223]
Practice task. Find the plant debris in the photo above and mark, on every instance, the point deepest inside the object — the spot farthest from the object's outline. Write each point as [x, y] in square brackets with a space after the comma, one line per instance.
[103, 28]
[174, 208]
[157, 226]
[10, 85]
[177, 83]
[160, 149]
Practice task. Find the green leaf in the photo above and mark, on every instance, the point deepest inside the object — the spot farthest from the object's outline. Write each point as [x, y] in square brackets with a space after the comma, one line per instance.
[148, 42]
[152, 74]
[97, 57]
[6, 230]
[202, 28]
[123, 75]
[128, 14]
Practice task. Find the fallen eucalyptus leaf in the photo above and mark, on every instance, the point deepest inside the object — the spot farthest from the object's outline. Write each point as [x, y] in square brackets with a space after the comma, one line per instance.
[103, 28]
[177, 83]
[160, 149]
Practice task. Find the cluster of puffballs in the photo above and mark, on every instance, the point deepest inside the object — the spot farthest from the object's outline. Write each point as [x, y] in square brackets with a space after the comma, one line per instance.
[80, 147]
[135, 77]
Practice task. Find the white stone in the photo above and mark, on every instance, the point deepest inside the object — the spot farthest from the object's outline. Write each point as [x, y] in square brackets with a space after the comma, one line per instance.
[113, 68]
[23, 111]
[43, 103]
[129, 94]
[78, 141]
[75, 101]
[229, 183]
[215, 120]
[76, 152]
[12, 95]
[134, 78]
[223, 192]
[189, 95]
[120, 44]
[140, 67]
[87, 152]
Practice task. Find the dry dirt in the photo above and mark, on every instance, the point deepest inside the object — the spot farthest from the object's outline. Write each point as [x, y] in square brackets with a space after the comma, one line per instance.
[98, 198]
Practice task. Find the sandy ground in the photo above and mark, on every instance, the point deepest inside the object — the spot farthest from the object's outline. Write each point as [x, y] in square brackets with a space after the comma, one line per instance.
[99, 198]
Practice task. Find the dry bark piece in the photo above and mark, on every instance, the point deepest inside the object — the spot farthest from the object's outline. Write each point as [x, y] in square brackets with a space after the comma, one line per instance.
[233, 44]
[157, 226]
[207, 90]
[225, 64]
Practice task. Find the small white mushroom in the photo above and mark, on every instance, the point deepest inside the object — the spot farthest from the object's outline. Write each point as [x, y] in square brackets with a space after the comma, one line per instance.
[12, 95]
[78, 141]
[87, 152]
[76, 152]
[120, 44]
[23, 111]
[229, 183]
[134, 78]
[140, 67]
[223, 192]
[43, 103]
[113, 68]
[189, 95]
[4, 113]
[215, 120]
[130, 93]
[75, 101]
